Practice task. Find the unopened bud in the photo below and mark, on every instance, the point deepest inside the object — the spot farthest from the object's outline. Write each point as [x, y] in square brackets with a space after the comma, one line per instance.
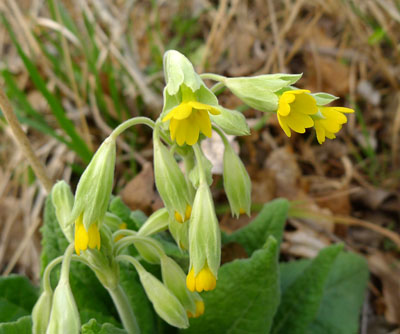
[63, 200]
[41, 312]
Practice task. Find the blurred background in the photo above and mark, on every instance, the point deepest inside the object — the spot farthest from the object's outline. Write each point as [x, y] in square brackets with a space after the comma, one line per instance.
[74, 70]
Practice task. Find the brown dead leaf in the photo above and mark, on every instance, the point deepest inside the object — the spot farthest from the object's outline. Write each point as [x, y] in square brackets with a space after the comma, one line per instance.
[283, 165]
[139, 193]
[387, 268]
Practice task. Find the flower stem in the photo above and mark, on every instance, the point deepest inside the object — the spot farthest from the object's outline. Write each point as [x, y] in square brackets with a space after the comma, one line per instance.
[124, 309]
[131, 122]
[212, 76]
[199, 160]
[222, 135]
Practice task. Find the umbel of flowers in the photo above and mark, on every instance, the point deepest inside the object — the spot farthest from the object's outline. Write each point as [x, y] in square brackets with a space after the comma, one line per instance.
[190, 114]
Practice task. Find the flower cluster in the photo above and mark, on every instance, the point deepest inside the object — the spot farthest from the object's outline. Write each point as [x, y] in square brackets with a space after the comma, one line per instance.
[190, 113]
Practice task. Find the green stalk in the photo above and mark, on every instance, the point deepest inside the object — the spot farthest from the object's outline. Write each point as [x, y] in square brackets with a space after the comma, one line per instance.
[124, 309]
[198, 154]
[131, 122]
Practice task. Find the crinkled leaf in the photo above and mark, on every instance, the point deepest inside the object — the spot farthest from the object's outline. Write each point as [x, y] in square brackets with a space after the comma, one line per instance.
[17, 297]
[21, 326]
[302, 298]
[93, 327]
[270, 221]
[246, 297]
[343, 297]
[133, 219]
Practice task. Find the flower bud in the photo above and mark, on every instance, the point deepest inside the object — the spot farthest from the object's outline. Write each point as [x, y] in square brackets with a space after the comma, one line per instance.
[64, 316]
[165, 303]
[204, 241]
[157, 222]
[149, 248]
[170, 181]
[63, 200]
[232, 122]
[41, 312]
[237, 183]
[258, 92]
[175, 280]
[94, 188]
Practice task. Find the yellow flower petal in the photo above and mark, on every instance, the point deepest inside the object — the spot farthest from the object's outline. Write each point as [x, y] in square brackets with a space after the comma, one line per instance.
[94, 236]
[299, 122]
[81, 236]
[204, 122]
[173, 126]
[284, 126]
[304, 104]
[320, 132]
[201, 106]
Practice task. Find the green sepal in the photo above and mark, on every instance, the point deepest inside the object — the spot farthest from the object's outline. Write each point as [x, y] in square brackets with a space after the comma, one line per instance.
[324, 98]
[170, 181]
[63, 201]
[237, 183]
[94, 188]
[258, 92]
[232, 122]
[204, 233]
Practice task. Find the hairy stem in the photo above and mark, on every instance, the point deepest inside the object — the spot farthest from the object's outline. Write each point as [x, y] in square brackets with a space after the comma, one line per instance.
[124, 309]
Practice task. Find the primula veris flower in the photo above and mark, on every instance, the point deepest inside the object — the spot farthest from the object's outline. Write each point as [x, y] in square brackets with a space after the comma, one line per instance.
[204, 280]
[86, 238]
[199, 310]
[181, 219]
[190, 118]
[331, 123]
[295, 110]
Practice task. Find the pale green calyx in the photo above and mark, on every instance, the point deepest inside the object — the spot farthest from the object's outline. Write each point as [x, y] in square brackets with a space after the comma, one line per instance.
[195, 173]
[180, 233]
[175, 280]
[164, 301]
[95, 185]
[63, 200]
[204, 233]
[41, 312]
[170, 181]
[324, 98]
[237, 183]
[258, 92]
[178, 70]
[232, 122]
[64, 316]
[157, 222]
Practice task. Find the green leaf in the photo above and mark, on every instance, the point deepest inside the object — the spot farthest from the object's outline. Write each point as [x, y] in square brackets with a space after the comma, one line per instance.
[93, 327]
[133, 219]
[17, 297]
[302, 298]
[343, 297]
[92, 299]
[21, 326]
[246, 297]
[270, 221]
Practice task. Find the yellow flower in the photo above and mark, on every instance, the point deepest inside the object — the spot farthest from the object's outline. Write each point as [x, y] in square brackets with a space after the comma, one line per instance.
[294, 110]
[188, 119]
[332, 123]
[121, 226]
[199, 310]
[84, 238]
[204, 280]
[188, 212]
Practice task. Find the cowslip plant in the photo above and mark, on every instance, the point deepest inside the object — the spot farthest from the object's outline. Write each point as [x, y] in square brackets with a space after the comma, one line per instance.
[181, 276]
